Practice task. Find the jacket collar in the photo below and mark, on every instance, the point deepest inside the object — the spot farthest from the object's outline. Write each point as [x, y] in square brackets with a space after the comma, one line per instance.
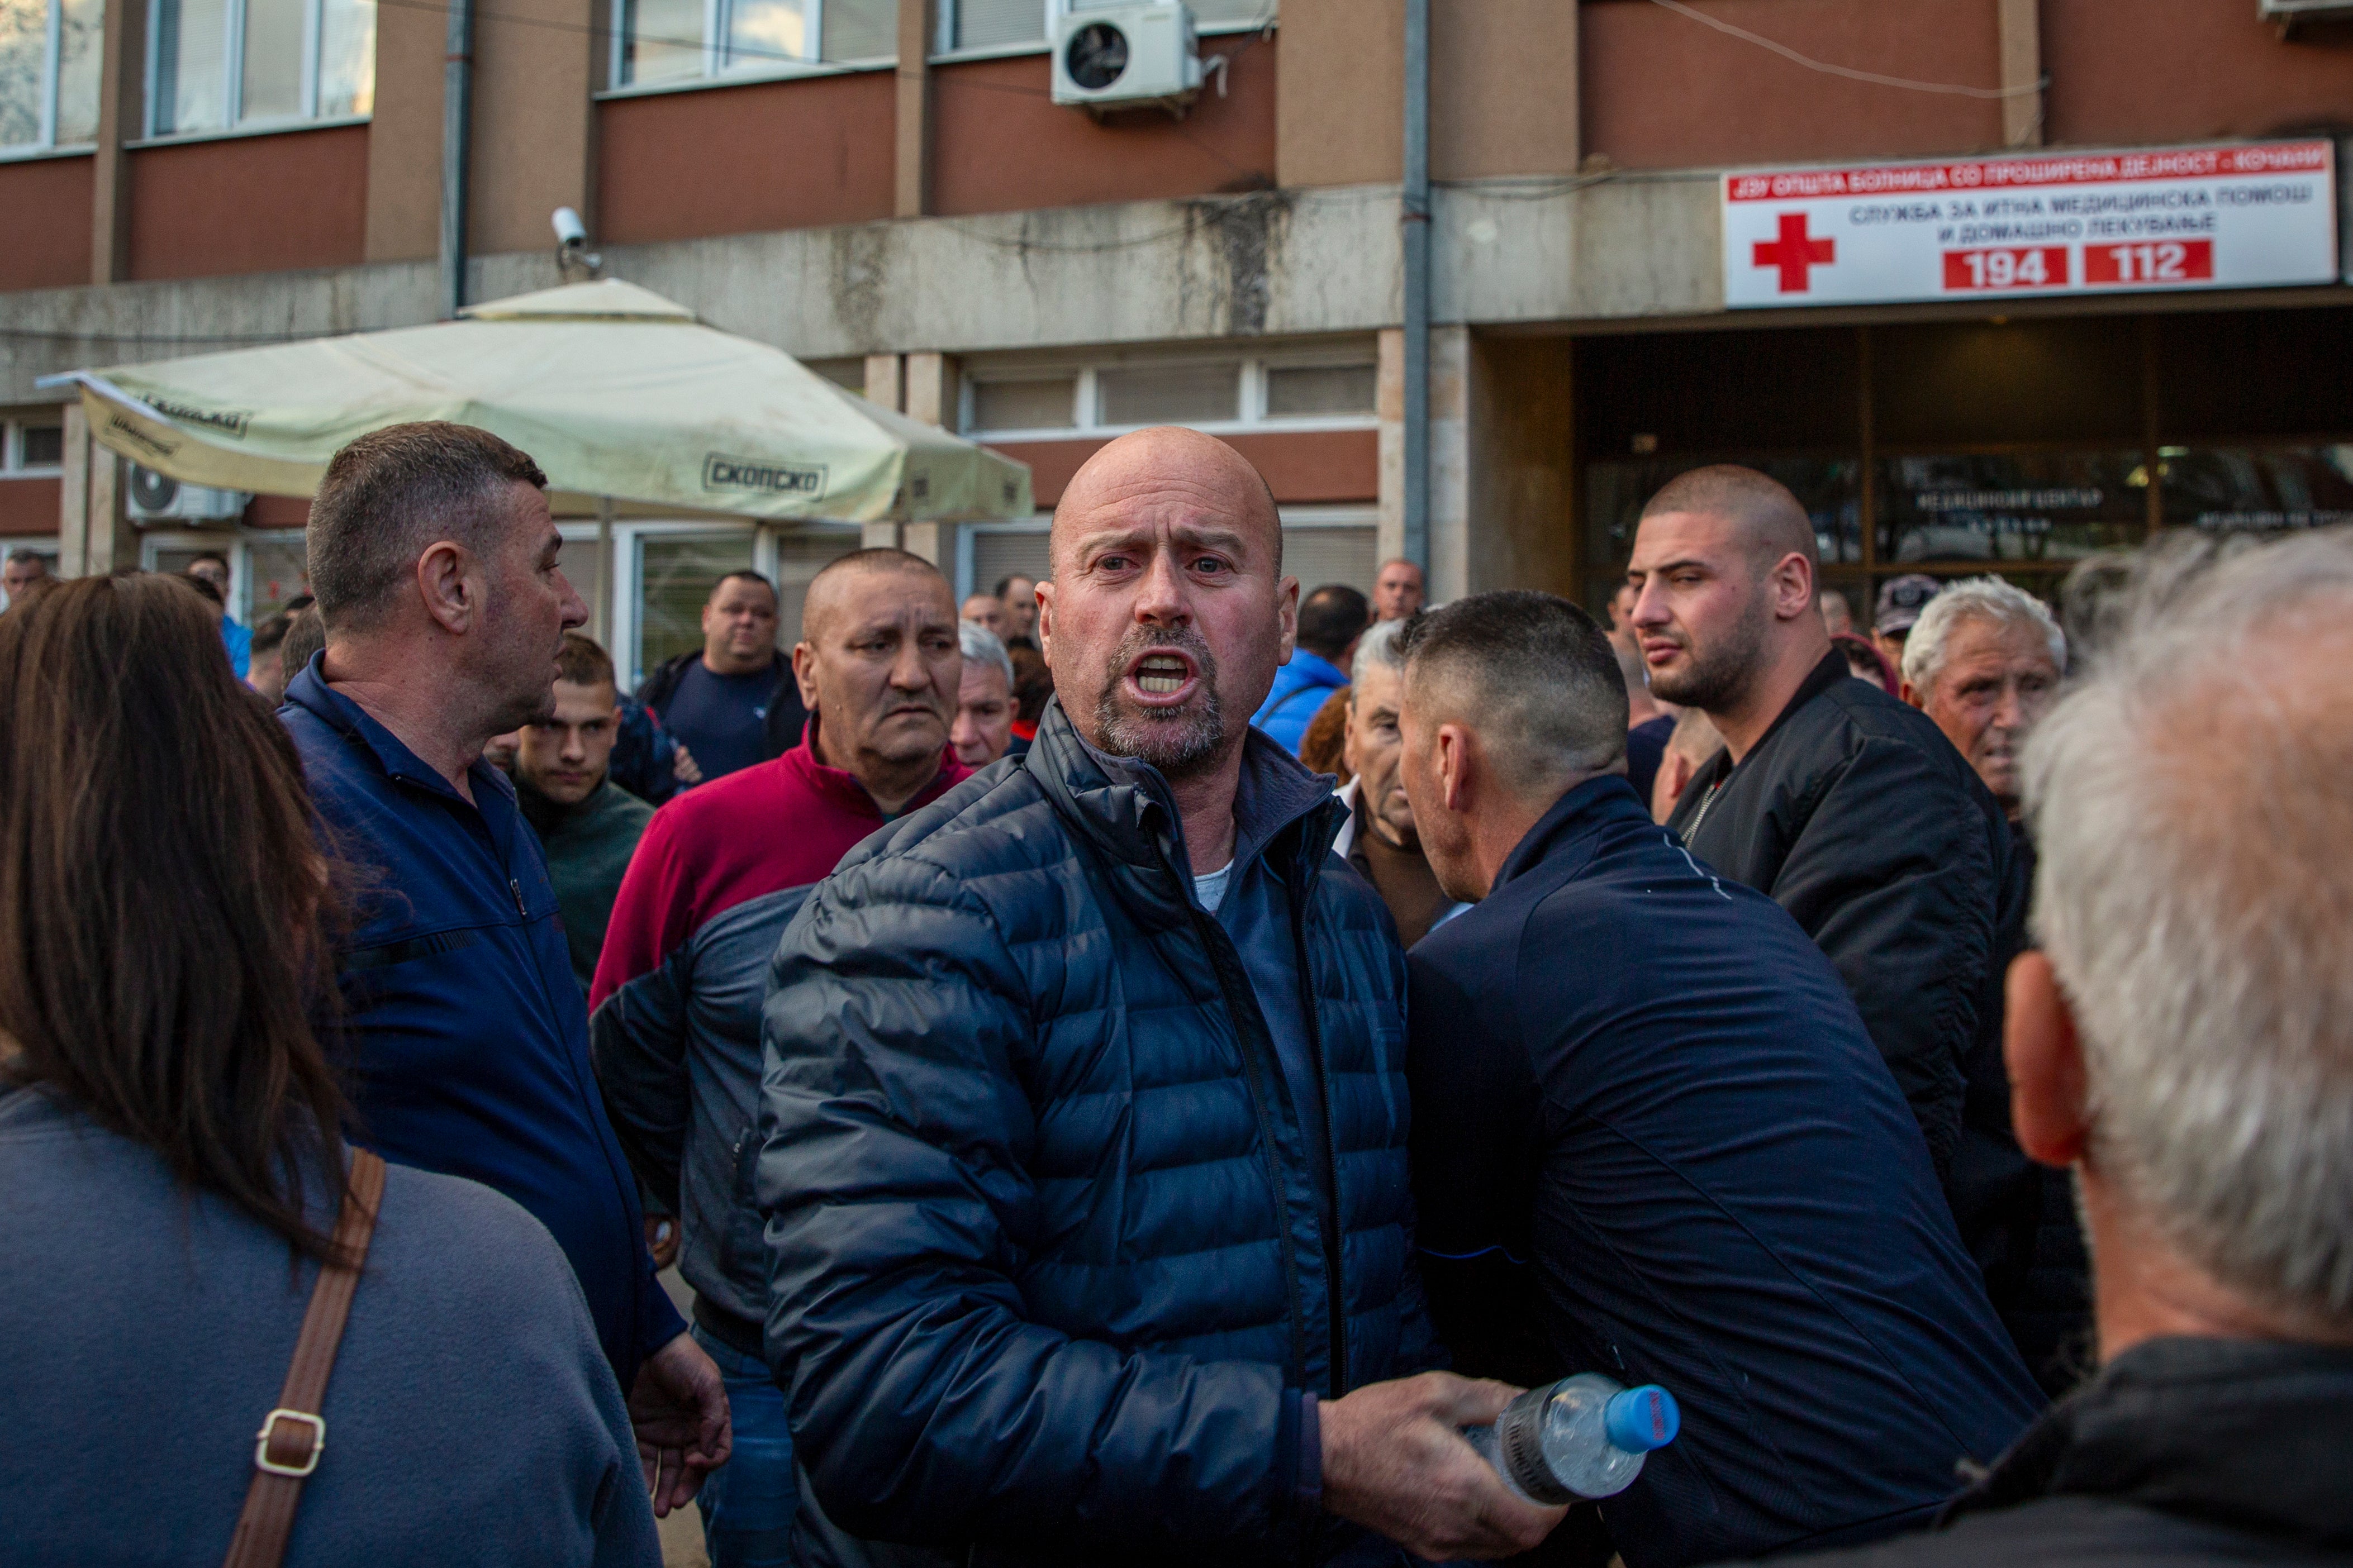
[1571, 829]
[839, 788]
[2246, 1433]
[1122, 807]
[1824, 676]
[308, 691]
[1314, 670]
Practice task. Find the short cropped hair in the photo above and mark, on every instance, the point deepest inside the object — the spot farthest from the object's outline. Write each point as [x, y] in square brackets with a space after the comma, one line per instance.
[1331, 618]
[1776, 522]
[24, 554]
[390, 494]
[2189, 807]
[982, 646]
[582, 661]
[1539, 674]
[743, 575]
[1979, 598]
[305, 635]
[1010, 579]
[203, 586]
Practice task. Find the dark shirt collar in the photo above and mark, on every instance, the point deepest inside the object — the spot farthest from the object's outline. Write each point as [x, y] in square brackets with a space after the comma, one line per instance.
[308, 691]
[1575, 819]
[1275, 789]
[2246, 1433]
[840, 788]
[547, 815]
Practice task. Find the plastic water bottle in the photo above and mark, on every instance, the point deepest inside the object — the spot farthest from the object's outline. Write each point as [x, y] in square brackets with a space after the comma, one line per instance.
[1583, 1437]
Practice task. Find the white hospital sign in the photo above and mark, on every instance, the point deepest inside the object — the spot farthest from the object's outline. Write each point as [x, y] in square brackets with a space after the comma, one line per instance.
[2064, 223]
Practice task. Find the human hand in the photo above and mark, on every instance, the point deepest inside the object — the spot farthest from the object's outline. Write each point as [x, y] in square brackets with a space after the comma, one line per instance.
[683, 767]
[1395, 1461]
[678, 1409]
[662, 1238]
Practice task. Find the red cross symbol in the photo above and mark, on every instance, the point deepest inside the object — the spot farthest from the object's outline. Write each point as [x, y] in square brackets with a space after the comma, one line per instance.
[1795, 254]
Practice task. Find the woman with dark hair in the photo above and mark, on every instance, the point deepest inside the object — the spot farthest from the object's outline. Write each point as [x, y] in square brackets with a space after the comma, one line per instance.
[177, 1181]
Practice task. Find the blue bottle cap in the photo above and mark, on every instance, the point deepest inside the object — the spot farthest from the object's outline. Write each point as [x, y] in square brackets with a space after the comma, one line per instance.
[1641, 1419]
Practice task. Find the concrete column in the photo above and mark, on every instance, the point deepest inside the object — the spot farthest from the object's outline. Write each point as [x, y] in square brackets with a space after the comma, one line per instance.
[886, 382]
[1449, 463]
[931, 389]
[2021, 65]
[1388, 406]
[536, 69]
[122, 118]
[912, 166]
[403, 181]
[93, 535]
[1523, 441]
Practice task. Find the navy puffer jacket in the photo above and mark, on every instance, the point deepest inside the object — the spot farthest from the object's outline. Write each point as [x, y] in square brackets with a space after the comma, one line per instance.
[1047, 1264]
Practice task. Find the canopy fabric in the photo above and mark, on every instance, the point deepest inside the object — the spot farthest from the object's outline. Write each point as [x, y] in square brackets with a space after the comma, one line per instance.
[617, 392]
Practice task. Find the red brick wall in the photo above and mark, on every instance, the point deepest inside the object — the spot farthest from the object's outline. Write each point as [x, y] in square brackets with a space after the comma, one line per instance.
[46, 204]
[1304, 466]
[249, 203]
[28, 507]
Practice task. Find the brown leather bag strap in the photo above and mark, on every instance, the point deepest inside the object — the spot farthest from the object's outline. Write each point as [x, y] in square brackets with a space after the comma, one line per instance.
[292, 1437]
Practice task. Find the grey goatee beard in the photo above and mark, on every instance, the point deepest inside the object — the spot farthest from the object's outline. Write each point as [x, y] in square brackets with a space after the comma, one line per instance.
[1176, 740]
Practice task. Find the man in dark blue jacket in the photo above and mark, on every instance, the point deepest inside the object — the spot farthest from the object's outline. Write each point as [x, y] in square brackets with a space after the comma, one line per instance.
[433, 557]
[1088, 1227]
[1652, 1138]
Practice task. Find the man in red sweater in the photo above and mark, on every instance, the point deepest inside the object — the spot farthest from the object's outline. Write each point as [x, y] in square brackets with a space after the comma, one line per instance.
[717, 876]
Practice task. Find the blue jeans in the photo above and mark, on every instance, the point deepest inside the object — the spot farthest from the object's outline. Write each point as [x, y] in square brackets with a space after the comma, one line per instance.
[748, 1502]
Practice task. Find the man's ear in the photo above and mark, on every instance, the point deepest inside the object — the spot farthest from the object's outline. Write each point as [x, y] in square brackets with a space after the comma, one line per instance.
[450, 587]
[805, 674]
[1793, 587]
[1286, 594]
[2045, 1056]
[1046, 623]
[1456, 766]
[1913, 694]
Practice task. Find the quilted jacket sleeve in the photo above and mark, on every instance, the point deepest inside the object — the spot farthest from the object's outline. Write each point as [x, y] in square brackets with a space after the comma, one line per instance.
[895, 1175]
[1894, 880]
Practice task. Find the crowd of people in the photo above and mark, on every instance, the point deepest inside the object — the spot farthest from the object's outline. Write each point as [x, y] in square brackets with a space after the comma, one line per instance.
[1085, 1132]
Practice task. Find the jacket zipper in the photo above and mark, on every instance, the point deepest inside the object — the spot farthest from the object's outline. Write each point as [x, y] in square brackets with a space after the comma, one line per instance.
[1334, 1286]
[515, 885]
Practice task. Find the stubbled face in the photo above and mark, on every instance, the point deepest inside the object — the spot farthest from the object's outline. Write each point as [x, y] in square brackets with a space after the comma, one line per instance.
[1397, 592]
[529, 604]
[1169, 612]
[565, 759]
[880, 664]
[739, 627]
[1020, 607]
[1699, 611]
[1997, 682]
[984, 721]
[19, 578]
[1375, 750]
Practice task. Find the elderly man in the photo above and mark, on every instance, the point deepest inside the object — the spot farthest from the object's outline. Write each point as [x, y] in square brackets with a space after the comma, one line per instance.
[588, 826]
[26, 574]
[1848, 809]
[1084, 1169]
[720, 871]
[984, 721]
[1397, 590]
[2184, 1041]
[734, 702]
[434, 560]
[1378, 839]
[1984, 661]
[1651, 1137]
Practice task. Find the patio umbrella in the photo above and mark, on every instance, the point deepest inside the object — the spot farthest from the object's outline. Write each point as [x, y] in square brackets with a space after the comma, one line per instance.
[624, 397]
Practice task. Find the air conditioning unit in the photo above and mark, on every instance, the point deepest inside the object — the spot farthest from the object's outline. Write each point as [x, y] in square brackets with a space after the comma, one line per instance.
[1132, 56]
[152, 496]
[2286, 13]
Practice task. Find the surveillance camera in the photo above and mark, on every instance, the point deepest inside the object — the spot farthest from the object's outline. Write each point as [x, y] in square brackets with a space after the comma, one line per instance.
[569, 229]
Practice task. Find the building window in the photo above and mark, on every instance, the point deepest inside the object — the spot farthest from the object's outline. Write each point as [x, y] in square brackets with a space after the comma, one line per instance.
[679, 40]
[1011, 23]
[49, 52]
[32, 446]
[221, 65]
[1324, 388]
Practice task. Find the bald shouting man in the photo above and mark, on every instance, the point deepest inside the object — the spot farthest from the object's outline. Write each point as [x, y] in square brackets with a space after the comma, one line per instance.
[1848, 809]
[720, 872]
[1085, 1164]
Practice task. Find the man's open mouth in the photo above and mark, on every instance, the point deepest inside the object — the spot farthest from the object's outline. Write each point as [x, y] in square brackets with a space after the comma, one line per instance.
[1163, 674]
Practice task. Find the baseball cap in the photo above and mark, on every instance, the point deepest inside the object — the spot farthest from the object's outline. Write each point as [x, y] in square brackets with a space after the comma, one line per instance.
[1901, 600]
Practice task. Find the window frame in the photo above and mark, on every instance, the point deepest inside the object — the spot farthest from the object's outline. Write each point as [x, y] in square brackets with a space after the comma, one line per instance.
[945, 48]
[715, 72]
[1251, 413]
[233, 81]
[12, 450]
[45, 143]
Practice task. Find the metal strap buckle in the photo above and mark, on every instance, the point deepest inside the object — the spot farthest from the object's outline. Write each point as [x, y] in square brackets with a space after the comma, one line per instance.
[318, 1425]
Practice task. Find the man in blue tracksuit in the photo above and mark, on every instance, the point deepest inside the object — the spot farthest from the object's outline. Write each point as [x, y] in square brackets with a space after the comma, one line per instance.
[1331, 619]
[1651, 1139]
[433, 558]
